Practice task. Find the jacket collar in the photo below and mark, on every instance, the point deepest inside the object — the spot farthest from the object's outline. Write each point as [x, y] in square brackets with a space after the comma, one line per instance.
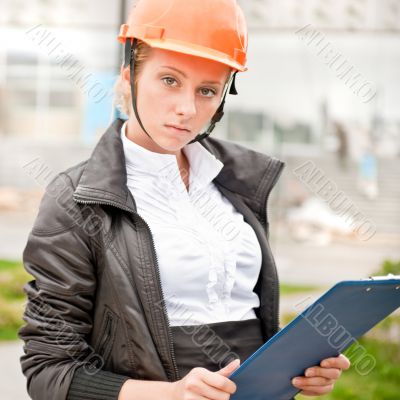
[245, 172]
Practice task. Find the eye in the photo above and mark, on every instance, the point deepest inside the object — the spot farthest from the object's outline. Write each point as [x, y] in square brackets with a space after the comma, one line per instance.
[208, 92]
[168, 80]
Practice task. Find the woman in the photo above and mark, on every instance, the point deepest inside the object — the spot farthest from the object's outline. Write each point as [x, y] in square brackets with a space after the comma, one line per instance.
[159, 238]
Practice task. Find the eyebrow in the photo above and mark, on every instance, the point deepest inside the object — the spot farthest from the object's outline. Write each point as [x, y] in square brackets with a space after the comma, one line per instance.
[182, 73]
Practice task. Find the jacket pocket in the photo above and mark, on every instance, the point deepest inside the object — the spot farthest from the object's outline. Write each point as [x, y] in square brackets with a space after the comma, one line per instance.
[107, 334]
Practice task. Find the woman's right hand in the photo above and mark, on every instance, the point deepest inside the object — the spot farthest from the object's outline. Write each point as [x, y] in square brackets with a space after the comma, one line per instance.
[202, 384]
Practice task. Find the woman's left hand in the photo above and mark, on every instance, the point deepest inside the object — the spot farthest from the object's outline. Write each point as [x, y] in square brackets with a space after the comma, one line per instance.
[319, 380]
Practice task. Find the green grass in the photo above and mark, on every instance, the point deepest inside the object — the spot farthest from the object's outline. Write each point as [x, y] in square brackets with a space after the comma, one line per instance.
[286, 288]
[7, 265]
[389, 267]
[12, 298]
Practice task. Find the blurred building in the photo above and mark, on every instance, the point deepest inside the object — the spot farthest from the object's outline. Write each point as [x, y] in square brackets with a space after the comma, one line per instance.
[58, 61]
[322, 87]
[322, 83]
[312, 63]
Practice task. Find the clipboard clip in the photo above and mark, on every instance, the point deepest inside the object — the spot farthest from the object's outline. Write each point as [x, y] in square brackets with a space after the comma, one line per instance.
[386, 277]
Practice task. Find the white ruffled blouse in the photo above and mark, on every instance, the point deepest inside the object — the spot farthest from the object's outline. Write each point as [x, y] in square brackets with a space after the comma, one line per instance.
[209, 258]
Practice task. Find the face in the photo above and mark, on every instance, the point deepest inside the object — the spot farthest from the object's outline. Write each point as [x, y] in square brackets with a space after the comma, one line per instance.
[175, 89]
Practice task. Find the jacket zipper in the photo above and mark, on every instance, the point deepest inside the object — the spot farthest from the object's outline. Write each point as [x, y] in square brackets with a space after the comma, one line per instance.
[114, 204]
[170, 342]
[264, 223]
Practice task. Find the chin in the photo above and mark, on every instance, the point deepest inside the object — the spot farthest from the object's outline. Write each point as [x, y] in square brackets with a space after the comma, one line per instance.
[170, 145]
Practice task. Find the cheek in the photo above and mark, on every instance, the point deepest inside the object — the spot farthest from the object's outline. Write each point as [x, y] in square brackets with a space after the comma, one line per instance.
[150, 98]
[149, 91]
[207, 108]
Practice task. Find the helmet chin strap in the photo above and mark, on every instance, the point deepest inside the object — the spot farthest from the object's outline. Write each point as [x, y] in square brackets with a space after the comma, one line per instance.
[129, 60]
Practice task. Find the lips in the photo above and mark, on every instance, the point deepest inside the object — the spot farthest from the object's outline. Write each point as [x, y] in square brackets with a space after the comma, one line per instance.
[178, 128]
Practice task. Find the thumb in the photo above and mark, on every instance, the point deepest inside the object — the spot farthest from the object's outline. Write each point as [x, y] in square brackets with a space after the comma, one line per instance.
[229, 368]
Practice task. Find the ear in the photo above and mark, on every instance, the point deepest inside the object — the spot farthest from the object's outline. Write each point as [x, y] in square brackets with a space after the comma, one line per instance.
[125, 73]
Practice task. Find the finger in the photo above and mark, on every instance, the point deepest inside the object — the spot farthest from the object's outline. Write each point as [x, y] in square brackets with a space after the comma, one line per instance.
[195, 390]
[341, 362]
[308, 393]
[218, 381]
[195, 396]
[229, 368]
[211, 392]
[316, 390]
[317, 381]
[199, 397]
[330, 373]
[305, 393]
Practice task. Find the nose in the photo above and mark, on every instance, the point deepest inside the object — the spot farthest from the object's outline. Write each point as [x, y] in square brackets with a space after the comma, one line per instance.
[186, 105]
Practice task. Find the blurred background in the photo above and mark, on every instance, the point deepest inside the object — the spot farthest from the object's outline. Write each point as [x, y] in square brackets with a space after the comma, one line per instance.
[322, 93]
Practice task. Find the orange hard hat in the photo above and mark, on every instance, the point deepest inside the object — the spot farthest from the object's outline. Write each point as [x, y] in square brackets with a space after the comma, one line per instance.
[212, 29]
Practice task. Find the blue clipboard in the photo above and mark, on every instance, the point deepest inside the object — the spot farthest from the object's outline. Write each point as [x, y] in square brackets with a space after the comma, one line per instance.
[324, 329]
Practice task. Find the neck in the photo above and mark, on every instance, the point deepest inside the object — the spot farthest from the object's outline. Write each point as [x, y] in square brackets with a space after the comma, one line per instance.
[143, 140]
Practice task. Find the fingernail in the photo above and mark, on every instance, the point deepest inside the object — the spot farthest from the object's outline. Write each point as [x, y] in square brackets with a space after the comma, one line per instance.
[309, 372]
[295, 381]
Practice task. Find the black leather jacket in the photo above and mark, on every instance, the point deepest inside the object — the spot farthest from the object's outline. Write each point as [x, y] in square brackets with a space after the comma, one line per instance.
[95, 314]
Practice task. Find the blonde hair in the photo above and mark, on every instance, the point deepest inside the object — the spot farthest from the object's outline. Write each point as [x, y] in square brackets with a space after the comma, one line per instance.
[122, 89]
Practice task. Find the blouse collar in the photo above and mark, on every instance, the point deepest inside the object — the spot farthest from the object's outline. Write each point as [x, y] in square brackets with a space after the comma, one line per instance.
[204, 166]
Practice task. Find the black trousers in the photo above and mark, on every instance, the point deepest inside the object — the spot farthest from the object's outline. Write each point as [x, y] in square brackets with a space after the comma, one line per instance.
[214, 345]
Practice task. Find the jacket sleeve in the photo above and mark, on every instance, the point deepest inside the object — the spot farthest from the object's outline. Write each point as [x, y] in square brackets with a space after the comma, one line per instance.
[58, 361]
